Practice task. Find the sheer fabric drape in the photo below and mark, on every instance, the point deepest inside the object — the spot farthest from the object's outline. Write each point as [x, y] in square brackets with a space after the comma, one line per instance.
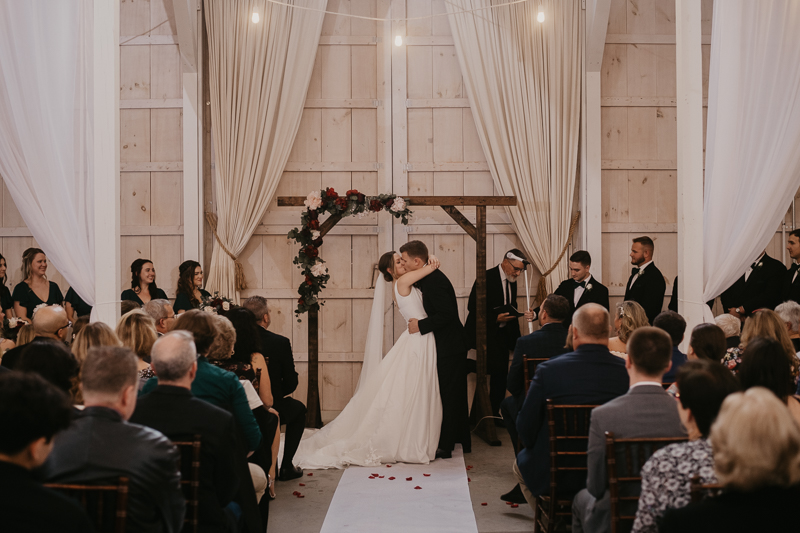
[259, 79]
[753, 135]
[523, 79]
[45, 129]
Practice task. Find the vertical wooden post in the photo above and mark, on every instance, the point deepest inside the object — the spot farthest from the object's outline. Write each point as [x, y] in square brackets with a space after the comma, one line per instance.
[313, 415]
[481, 404]
[207, 193]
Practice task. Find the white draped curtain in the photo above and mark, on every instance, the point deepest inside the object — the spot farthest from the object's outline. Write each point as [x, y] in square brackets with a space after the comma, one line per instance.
[45, 129]
[753, 135]
[259, 78]
[523, 79]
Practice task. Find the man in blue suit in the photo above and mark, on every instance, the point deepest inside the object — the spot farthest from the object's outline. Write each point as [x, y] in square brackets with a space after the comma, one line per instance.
[590, 375]
[547, 342]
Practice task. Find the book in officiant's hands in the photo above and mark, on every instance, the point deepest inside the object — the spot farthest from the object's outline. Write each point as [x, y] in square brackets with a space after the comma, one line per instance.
[508, 308]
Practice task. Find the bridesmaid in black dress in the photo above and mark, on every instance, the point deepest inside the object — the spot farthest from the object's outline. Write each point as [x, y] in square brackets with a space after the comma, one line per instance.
[190, 282]
[75, 306]
[34, 289]
[6, 302]
[143, 283]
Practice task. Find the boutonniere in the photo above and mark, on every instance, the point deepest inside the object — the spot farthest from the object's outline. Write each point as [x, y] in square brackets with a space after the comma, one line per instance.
[588, 287]
[760, 264]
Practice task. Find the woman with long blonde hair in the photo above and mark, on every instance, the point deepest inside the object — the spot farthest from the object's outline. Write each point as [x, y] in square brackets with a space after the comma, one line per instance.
[34, 289]
[628, 317]
[137, 331]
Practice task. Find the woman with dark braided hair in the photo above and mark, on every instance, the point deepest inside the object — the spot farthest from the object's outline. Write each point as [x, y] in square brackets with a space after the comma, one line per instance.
[190, 293]
[143, 283]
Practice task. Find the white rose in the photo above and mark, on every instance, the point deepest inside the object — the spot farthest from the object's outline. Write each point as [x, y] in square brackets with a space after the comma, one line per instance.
[208, 309]
[398, 205]
[12, 322]
[315, 234]
[226, 306]
[313, 201]
[588, 286]
[319, 269]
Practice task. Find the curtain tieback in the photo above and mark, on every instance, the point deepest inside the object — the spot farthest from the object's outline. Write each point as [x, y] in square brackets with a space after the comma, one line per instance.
[541, 291]
[241, 283]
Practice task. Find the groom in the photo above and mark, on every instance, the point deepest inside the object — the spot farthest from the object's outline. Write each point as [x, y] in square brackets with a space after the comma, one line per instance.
[439, 301]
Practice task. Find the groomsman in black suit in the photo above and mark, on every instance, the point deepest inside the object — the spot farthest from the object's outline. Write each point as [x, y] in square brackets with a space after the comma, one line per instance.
[760, 287]
[791, 284]
[647, 285]
[582, 288]
[502, 329]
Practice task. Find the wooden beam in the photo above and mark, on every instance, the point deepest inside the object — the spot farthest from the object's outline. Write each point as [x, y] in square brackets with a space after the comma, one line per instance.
[436, 201]
[185, 21]
[633, 38]
[461, 220]
[208, 193]
[313, 418]
[596, 27]
[326, 226]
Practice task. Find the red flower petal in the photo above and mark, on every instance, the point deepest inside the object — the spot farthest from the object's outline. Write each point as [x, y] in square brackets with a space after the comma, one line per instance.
[392, 478]
[300, 496]
[509, 503]
[426, 475]
[302, 484]
[417, 487]
[376, 475]
[388, 466]
[310, 474]
[408, 479]
[484, 504]
[468, 480]
[381, 477]
[295, 493]
[514, 505]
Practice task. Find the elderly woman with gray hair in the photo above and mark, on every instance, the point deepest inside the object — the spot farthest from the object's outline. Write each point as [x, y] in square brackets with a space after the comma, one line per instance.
[789, 312]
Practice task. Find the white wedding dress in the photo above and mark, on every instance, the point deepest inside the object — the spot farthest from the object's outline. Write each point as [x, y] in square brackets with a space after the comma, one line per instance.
[396, 412]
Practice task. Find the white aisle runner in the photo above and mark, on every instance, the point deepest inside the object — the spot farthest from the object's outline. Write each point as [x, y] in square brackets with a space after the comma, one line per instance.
[441, 503]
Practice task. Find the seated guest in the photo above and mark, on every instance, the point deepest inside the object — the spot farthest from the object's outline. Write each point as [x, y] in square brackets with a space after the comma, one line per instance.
[590, 375]
[760, 476]
[581, 288]
[765, 363]
[666, 476]
[100, 445]
[160, 311]
[94, 334]
[77, 326]
[52, 361]
[35, 289]
[283, 381]
[675, 326]
[215, 385]
[25, 334]
[707, 341]
[50, 323]
[789, 312]
[646, 411]
[32, 412]
[628, 317]
[190, 293]
[547, 342]
[75, 306]
[647, 285]
[764, 323]
[137, 331]
[126, 306]
[759, 288]
[6, 302]
[791, 286]
[143, 283]
[731, 327]
[172, 409]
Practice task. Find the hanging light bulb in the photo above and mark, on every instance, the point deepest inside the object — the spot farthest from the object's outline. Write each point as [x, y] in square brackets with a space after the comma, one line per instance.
[540, 16]
[255, 18]
[398, 41]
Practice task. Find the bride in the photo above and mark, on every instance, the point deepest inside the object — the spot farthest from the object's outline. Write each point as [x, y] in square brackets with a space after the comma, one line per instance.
[395, 414]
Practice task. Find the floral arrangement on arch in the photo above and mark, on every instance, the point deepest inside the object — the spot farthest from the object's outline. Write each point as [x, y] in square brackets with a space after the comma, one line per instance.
[310, 239]
[216, 303]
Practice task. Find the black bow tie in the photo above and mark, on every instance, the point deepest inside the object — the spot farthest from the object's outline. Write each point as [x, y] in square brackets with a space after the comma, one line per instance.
[635, 270]
[579, 283]
[794, 268]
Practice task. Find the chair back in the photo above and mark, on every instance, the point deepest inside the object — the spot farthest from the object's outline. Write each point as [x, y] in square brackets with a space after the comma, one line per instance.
[624, 461]
[529, 365]
[699, 490]
[106, 504]
[189, 465]
[568, 428]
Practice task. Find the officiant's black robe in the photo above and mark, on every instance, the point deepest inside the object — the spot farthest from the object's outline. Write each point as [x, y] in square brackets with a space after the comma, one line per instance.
[441, 306]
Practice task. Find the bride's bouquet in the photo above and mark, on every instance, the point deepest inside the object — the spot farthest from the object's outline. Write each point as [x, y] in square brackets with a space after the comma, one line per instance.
[216, 303]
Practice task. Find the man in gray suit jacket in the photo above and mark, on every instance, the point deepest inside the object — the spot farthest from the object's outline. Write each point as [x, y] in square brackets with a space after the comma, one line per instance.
[646, 411]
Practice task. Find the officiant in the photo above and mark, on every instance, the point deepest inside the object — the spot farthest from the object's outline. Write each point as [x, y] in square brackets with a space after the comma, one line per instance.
[502, 327]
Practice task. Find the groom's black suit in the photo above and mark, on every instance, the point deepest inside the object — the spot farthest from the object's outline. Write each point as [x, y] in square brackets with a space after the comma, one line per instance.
[441, 306]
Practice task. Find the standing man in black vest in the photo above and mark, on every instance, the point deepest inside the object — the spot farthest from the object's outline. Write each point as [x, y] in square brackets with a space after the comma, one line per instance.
[502, 328]
[791, 284]
[647, 285]
[760, 287]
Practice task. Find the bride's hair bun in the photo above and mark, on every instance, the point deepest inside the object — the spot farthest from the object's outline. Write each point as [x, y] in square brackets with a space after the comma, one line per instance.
[386, 265]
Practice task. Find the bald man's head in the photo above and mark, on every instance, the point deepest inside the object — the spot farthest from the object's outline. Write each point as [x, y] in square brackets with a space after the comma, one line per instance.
[590, 325]
[51, 321]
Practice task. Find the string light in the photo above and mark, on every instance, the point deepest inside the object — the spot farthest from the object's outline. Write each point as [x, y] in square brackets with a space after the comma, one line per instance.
[255, 18]
[540, 16]
[398, 41]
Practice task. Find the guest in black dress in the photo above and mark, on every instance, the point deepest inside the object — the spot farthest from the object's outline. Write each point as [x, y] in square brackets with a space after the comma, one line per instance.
[6, 302]
[143, 283]
[75, 306]
[35, 289]
[190, 282]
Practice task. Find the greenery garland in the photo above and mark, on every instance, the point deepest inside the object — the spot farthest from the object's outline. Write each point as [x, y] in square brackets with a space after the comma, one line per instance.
[328, 201]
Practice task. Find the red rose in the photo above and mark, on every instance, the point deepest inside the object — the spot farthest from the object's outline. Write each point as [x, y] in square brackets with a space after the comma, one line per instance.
[313, 224]
[301, 301]
[311, 252]
[361, 198]
[375, 206]
[313, 215]
[309, 281]
[341, 203]
[331, 194]
[389, 202]
[352, 192]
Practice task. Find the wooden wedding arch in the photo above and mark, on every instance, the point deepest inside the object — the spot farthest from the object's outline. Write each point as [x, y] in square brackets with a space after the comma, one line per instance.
[481, 405]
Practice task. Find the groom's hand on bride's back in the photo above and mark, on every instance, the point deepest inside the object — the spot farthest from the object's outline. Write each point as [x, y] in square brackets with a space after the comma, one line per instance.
[413, 326]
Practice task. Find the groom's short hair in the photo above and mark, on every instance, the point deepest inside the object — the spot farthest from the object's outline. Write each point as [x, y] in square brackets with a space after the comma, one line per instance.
[415, 249]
